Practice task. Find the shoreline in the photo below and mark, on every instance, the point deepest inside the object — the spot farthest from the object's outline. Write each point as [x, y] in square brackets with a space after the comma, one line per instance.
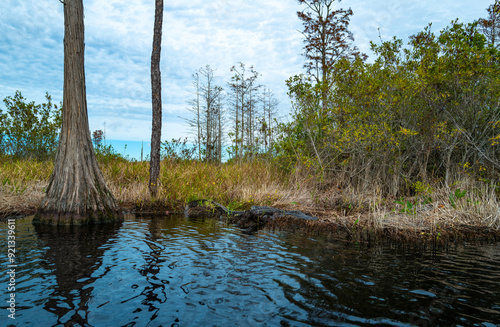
[357, 229]
[364, 215]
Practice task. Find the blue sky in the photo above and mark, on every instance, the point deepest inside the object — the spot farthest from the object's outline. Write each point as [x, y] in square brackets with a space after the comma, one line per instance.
[221, 33]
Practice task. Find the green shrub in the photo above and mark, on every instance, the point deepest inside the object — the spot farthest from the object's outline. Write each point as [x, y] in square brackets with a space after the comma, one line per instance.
[29, 130]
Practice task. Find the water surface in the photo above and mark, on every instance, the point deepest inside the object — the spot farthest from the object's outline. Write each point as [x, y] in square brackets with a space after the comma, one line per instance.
[170, 271]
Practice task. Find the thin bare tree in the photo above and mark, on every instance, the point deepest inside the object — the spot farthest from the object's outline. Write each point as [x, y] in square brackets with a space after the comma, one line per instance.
[491, 26]
[154, 163]
[269, 116]
[242, 86]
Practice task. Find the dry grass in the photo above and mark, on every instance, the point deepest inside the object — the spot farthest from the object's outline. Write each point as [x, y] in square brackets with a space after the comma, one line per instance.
[431, 215]
[238, 186]
[22, 185]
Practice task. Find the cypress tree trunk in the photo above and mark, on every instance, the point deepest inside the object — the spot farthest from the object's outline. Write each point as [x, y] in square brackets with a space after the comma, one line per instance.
[154, 163]
[77, 192]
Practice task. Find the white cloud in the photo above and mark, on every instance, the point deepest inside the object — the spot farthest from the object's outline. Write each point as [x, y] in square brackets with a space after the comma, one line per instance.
[135, 128]
[403, 18]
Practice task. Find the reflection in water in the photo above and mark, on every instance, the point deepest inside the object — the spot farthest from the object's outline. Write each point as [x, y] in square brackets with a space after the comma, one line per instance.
[169, 271]
[73, 254]
[155, 293]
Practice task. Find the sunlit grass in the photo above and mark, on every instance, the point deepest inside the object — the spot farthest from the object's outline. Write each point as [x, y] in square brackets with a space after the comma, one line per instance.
[235, 185]
[238, 186]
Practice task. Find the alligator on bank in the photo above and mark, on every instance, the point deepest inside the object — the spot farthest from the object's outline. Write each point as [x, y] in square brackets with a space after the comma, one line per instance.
[248, 220]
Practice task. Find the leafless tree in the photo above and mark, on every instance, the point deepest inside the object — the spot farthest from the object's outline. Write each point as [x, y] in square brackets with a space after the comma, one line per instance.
[154, 163]
[269, 116]
[195, 122]
[242, 86]
[208, 114]
[327, 39]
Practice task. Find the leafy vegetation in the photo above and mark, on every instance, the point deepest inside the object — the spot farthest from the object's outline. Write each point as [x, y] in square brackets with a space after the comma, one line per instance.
[425, 113]
[29, 130]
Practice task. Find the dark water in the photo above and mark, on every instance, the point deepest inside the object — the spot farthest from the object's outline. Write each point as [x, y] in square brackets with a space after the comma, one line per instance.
[173, 272]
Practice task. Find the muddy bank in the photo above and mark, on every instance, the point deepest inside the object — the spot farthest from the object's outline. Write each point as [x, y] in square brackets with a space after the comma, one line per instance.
[359, 228]
[261, 217]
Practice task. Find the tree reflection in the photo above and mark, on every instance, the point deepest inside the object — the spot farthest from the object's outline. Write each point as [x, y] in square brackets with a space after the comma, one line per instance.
[155, 293]
[74, 253]
[161, 236]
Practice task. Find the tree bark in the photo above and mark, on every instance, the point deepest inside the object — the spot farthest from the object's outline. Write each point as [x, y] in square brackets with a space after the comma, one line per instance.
[77, 192]
[154, 163]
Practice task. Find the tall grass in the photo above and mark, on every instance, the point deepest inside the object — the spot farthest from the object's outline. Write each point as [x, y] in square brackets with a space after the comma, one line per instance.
[466, 201]
[235, 185]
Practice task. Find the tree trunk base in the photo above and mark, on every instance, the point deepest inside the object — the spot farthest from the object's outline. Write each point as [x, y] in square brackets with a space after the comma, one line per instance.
[52, 217]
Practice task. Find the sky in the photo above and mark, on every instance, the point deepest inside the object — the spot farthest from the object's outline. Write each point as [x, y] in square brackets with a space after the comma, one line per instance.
[196, 33]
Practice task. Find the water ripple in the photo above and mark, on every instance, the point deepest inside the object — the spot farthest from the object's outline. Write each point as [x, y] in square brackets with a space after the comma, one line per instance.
[176, 272]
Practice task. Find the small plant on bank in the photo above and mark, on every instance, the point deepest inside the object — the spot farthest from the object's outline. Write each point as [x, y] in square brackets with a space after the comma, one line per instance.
[408, 206]
[457, 195]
